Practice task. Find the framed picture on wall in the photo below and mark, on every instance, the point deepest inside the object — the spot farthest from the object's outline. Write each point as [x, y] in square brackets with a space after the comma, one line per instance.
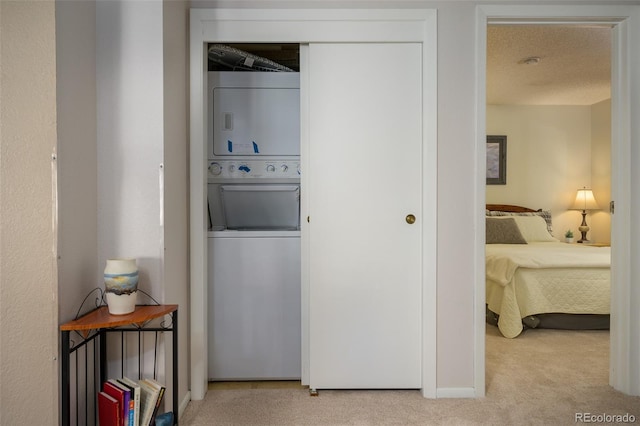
[496, 160]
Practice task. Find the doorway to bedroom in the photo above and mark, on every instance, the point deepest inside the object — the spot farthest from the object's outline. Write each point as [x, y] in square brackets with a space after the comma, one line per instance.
[548, 118]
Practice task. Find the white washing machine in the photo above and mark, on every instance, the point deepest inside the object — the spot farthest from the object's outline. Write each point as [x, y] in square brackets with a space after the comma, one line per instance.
[254, 270]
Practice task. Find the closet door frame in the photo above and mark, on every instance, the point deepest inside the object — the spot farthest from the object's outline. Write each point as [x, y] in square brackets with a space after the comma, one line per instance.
[308, 26]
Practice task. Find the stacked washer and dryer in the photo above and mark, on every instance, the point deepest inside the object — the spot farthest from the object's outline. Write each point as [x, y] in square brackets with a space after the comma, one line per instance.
[254, 226]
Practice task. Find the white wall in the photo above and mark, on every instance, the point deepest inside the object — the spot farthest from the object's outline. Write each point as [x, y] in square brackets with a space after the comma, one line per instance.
[551, 152]
[600, 222]
[456, 211]
[130, 137]
[455, 184]
[548, 159]
[142, 153]
[457, 159]
[28, 269]
[77, 156]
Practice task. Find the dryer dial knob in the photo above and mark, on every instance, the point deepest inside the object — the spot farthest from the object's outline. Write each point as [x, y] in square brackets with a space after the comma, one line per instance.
[284, 168]
[271, 168]
[215, 169]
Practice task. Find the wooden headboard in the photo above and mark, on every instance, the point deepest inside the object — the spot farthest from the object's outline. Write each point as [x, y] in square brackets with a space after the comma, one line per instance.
[510, 208]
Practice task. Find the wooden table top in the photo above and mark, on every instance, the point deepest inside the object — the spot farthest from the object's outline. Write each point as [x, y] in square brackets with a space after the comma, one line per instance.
[101, 318]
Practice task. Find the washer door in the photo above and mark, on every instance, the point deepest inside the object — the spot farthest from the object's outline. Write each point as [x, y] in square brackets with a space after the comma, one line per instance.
[261, 207]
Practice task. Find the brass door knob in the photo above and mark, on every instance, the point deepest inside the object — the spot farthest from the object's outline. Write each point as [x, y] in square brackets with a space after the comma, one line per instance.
[411, 219]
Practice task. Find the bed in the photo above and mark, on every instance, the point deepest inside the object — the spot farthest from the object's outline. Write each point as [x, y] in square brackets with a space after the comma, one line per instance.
[535, 281]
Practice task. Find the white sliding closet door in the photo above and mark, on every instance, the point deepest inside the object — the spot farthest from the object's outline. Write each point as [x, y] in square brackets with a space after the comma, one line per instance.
[365, 169]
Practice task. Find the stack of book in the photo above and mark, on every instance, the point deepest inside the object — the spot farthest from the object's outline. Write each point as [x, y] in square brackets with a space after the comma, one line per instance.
[124, 402]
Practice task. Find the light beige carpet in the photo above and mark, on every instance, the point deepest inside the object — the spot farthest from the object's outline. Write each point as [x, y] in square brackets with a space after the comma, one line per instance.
[543, 377]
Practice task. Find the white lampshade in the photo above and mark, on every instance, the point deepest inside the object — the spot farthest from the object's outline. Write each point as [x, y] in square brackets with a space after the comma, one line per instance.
[585, 200]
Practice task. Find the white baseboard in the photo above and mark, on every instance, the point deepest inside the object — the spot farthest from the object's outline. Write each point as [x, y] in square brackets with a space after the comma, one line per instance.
[455, 393]
[183, 404]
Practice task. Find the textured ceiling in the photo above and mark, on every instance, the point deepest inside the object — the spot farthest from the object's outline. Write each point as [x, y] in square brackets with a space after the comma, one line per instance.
[574, 66]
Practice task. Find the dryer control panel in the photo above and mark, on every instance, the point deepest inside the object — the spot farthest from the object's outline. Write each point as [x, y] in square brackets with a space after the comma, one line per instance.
[254, 169]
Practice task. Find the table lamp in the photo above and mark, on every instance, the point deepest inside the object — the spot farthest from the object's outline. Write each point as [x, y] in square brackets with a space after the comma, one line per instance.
[584, 201]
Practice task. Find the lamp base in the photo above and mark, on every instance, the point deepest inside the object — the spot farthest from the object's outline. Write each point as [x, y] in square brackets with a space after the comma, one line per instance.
[583, 228]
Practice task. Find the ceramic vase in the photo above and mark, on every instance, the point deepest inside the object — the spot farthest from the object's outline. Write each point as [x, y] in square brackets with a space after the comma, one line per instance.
[121, 285]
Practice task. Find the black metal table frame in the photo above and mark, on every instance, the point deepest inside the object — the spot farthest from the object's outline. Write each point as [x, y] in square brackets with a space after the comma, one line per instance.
[101, 333]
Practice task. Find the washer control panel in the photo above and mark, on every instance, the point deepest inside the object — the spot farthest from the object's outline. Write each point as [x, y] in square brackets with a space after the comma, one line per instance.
[254, 169]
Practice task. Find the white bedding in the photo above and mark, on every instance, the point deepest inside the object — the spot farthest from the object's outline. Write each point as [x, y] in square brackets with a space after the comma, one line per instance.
[550, 277]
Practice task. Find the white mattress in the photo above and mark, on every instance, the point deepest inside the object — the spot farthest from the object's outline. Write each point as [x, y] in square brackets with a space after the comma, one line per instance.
[545, 286]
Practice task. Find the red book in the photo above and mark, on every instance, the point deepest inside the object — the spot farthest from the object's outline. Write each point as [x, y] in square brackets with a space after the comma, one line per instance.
[109, 410]
[119, 394]
[127, 411]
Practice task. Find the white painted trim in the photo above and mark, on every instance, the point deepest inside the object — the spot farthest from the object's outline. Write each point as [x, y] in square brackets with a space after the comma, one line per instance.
[314, 25]
[480, 203]
[620, 173]
[429, 205]
[556, 14]
[625, 338]
[624, 372]
[184, 404]
[305, 26]
[198, 226]
[456, 393]
[305, 352]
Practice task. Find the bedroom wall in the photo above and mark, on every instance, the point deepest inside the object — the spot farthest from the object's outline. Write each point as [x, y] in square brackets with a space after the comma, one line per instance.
[549, 156]
[601, 170]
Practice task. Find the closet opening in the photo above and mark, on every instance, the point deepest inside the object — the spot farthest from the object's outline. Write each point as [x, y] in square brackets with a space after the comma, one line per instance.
[252, 92]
